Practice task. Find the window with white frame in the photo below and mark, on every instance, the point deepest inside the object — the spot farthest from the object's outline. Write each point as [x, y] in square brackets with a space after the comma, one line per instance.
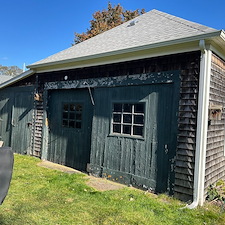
[128, 119]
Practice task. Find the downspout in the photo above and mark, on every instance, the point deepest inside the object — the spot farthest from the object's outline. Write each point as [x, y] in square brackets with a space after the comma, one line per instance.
[202, 126]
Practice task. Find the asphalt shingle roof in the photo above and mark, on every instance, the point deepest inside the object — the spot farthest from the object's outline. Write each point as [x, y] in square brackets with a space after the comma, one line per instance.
[150, 28]
[4, 78]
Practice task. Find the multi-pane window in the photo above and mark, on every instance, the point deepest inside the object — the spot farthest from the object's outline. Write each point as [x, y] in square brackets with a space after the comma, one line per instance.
[128, 118]
[72, 115]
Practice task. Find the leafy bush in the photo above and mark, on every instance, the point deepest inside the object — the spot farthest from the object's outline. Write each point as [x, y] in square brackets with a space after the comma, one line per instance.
[216, 193]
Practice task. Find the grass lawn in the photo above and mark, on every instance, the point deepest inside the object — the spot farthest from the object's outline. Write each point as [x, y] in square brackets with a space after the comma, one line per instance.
[39, 195]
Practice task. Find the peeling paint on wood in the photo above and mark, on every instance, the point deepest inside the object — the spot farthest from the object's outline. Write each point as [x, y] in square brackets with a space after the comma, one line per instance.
[138, 79]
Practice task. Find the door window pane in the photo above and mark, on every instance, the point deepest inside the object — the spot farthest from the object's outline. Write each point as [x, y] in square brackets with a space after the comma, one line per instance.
[128, 119]
[139, 108]
[126, 129]
[116, 128]
[117, 118]
[138, 119]
[127, 108]
[117, 108]
[72, 115]
[138, 130]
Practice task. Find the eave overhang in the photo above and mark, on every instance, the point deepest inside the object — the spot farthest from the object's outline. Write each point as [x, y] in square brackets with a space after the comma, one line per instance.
[216, 39]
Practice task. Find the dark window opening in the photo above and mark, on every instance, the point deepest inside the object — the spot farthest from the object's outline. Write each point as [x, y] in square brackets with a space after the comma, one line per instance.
[72, 115]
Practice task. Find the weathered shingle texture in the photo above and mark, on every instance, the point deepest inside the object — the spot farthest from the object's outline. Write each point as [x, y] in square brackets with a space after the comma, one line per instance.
[150, 28]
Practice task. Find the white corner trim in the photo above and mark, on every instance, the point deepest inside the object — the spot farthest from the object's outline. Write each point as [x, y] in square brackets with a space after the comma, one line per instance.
[202, 126]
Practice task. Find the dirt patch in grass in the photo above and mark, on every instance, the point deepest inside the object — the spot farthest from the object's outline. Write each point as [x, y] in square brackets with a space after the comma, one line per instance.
[99, 184]
[58, 167]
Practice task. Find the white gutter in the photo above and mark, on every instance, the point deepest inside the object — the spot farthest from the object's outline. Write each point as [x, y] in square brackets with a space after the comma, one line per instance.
[202, 126]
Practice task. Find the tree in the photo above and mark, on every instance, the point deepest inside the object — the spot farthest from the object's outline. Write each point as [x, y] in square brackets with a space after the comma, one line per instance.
[10, 70]
[105, 20]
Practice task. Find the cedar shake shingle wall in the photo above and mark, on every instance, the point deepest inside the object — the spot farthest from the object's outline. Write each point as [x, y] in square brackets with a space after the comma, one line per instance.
[215, 160]
[187, 123]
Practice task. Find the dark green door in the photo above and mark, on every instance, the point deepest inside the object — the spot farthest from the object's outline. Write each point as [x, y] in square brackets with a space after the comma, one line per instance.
[70, 119]
[16, 111]
[136, 133]
[21, 122]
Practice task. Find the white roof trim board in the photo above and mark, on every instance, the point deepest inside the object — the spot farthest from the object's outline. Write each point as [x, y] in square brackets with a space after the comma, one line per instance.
[152, 28]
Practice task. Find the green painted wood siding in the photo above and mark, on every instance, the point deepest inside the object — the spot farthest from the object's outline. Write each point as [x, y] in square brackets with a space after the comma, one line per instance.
[16, 111]
[146, 161]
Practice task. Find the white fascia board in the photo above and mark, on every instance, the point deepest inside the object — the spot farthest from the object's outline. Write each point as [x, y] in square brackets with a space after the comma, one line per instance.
[16, 78]
[148, 53]
[129, 56]
[128, 50]
[222, 35]
[218, 51]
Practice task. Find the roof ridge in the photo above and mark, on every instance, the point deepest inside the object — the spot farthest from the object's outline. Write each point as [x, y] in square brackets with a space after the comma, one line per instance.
[171, 17]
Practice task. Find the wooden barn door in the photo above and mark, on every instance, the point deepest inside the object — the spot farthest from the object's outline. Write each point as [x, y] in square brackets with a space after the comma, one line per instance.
[139, 143]
[70, 119]
[21, 121]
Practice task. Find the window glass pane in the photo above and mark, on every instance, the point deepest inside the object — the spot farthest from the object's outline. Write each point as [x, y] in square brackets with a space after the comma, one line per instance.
[66, 107]
[117, 118]
[138, 119]
[72, 124]
[139, 108]
[79, 108]
[78, 116]
[65, 115]
[138, 130]
[127, 118]
[116, 128]
[72, 107]
[117, 107]
[127, 108]
[126, 129]
[72, 115]
[78, 125]
[65, 123]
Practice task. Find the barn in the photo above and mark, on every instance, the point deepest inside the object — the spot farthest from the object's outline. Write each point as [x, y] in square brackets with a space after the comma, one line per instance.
[141, 104]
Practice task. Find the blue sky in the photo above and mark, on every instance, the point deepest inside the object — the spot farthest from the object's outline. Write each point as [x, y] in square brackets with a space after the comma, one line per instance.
[34, 29]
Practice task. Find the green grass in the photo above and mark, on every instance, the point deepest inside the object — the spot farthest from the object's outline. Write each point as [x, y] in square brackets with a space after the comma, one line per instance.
[43, 196]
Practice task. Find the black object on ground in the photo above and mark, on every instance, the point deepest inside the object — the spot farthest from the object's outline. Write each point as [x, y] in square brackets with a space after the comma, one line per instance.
[6, 168]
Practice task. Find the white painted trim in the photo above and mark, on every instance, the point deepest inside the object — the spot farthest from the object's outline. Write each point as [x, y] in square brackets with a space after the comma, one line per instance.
[217, 52]
[148, 53]
[202, 126]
